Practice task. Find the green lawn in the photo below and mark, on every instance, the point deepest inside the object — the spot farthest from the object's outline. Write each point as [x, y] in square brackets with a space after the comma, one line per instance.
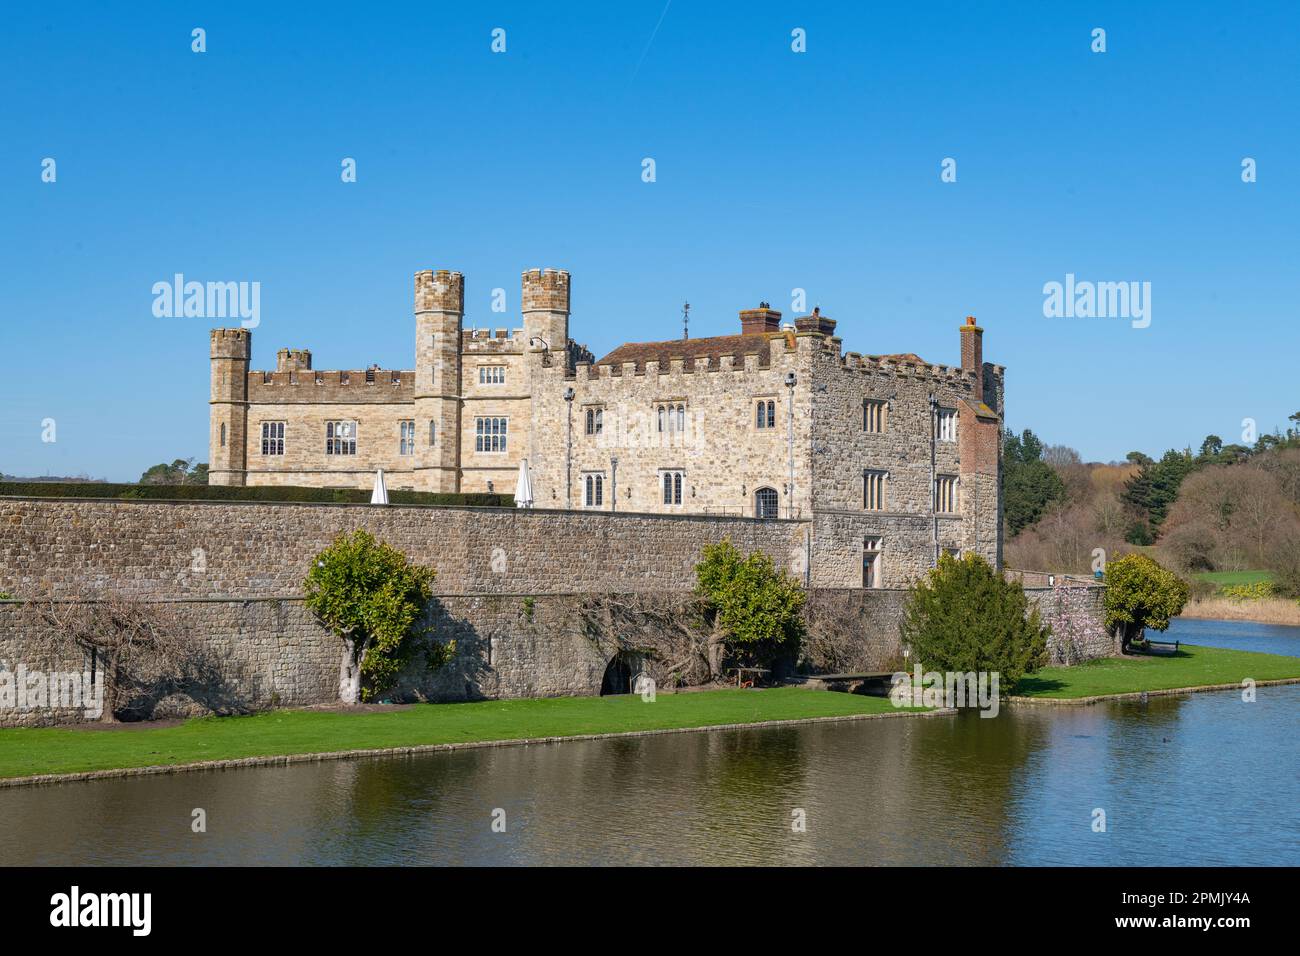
[1232, 578]
[1192, 666]
[24, 752]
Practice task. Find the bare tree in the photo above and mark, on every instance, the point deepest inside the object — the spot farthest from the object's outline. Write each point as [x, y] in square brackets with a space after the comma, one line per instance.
[139, 651]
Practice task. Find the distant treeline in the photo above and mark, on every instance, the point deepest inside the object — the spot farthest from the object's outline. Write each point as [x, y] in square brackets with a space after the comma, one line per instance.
[1225, 507]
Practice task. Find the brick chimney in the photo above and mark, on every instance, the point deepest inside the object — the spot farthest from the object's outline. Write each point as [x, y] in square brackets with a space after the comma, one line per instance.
[972, 355]
[815, 323]
[763, 319]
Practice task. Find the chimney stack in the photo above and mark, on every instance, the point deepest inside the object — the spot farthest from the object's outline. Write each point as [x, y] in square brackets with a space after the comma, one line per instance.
[972, 355]
[763, 319]
[815, 323]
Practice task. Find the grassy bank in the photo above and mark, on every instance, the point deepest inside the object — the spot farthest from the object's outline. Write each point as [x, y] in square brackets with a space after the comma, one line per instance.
[1192, 666]
[27, 752]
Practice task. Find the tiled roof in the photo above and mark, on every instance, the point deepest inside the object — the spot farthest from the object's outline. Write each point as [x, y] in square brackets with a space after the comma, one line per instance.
[713, 348]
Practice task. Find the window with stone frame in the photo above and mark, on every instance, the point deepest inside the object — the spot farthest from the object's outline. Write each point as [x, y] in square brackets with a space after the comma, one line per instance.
[490, 434]
[766, 503]
[873, 416]
[406, 438]
[765, 413]
[341, 438]
[671, 483]
[947, 424]
[873, 490]
[945, 494]
[491, 374]
[595, 416]
[593, 490]
[873, 547]
[272, 438]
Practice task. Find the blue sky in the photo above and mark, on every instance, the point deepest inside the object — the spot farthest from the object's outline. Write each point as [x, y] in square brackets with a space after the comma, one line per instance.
[775, 171]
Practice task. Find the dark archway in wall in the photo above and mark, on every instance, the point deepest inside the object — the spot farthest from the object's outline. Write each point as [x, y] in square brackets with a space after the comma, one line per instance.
[618, 676]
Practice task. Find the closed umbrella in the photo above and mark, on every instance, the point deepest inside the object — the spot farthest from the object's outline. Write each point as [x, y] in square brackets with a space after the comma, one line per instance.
[524, 487]
[380, 495]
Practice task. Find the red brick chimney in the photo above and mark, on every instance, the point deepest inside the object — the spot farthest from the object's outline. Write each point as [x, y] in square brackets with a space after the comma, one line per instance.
[815, 323]
[763, 319]
[972, 355]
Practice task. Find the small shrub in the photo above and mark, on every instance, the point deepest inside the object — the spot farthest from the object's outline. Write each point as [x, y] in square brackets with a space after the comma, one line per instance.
[1248, 592]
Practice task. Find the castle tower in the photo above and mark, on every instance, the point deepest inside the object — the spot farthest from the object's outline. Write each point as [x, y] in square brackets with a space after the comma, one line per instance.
[228, 406]
[545, 307]
[439, 309]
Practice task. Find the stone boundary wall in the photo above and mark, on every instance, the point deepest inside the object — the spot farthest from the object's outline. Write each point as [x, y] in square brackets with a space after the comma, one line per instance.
[152, 550]
[270, 652]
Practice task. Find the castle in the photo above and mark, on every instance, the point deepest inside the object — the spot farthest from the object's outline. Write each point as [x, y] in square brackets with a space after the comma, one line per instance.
[889, 459]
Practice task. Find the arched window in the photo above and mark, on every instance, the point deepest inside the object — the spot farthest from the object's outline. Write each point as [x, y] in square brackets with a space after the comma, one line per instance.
[766, 503]
[661, 418]
[681, 418]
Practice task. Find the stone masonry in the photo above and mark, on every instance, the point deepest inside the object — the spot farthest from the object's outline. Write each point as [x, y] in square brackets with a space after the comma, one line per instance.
[773, 421]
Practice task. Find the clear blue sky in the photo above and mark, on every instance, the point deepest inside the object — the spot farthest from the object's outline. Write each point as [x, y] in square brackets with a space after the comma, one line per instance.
[775, 170]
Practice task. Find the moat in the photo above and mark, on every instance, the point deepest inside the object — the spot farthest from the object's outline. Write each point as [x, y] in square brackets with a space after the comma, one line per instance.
[1198, 780]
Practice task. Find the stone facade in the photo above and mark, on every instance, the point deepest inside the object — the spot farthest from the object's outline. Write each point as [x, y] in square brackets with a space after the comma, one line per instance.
[773, 421]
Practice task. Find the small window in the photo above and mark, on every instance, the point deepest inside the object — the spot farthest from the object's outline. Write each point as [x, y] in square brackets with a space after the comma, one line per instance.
[406, 440]
[593, 491]
[766, 503]
[671, 484]
[873, 490]
[223, 434]
[765, 413]
[272, 438]
[491, 374]
[871, 561]
[595, 421]
[947, 430]
[341, 438]
[433, 431]
[873, 416]
[490, 434]
[945, 494]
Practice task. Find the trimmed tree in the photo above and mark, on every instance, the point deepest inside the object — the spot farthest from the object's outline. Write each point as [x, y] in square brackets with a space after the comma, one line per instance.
[373, 598]
[749, 604]
[965, 616]
[1141, 594]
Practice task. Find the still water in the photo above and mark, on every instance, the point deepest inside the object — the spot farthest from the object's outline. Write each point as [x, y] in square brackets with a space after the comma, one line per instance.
[1203, 779]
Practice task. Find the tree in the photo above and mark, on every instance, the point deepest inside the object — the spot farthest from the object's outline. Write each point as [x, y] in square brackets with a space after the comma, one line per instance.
[141, 652]
[1141, 594]
[964, 616]
[182, 471]
[1029, 484]
[749, 604]
[372, 597]
[1153, 489]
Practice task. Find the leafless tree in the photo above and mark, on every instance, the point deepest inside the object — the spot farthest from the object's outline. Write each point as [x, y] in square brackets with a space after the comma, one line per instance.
[139, 651]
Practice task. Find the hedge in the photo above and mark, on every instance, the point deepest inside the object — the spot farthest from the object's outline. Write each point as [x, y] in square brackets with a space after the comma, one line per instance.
[96, 489]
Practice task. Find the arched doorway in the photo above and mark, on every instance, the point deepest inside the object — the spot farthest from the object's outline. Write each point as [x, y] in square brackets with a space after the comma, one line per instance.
[766, 503]
[618, 676]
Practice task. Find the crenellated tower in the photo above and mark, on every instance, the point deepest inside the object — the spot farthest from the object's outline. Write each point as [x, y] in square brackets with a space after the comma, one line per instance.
[545, 305]
[230, 352]
[439, 311]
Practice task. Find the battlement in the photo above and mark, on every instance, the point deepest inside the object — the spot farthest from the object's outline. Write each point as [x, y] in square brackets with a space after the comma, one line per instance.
[440, 291]
[493, 340]
[372, 385]
[545, 290]
[231, 344]
[293, 360]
